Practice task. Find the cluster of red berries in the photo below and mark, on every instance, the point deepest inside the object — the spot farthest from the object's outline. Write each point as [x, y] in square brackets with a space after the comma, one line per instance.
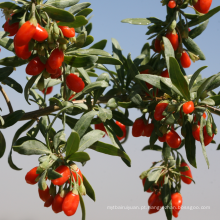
[65, 200]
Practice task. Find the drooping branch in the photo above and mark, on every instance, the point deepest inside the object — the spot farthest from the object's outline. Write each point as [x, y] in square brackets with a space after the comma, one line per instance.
[6, 99]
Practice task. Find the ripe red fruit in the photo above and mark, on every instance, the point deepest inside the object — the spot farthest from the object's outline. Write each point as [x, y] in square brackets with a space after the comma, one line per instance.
[67, 32]
[143, 182]
[163, 138]
[185, 60]
[175, 213]
[65, 172]
[177, 201]
[157, 46]
[11, 28]
[50, 70]
[148, 129]
[203, 6]
[56, 59]
[40, 34]
[71, 97]
[196, 132]
[49, 202]
[31, 176]
[74, 83]
[173, 37]
[123, 128]
[57, 75]
[165, 74]
[138, 127]
[156, 204]
[188, 107]
[186, 173]
[35, 67]
[57, 203]
[172, 4]
[207, 138]
[49, 90]
[100, 127]
[152, 197]
[25, 34]
[159, 111]
[44, 195]
[70, 203]
[22, 52]
[173, 139]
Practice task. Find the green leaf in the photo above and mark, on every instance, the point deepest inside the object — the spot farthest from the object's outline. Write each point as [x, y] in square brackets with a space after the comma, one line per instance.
[112, 103]
[151, 178]
[72, 144]
[190, 145]
[216, 99]
[2, 145]
[195, 75]
[42, 182]
[89, 40]
[5, 72]
[117, 130]
[77, 8]
[39, 100]
[84, 74]
[178, 79]
[13, 84]
[58, 14]
[198, 30]
[193, 47]
[83, 208]
[105, 114]
[51, 82]
[52, 174]
[204, 17]
[89, 190]
[155, 148]
[84, 122]
[13, 118]
[168, 51]
[89, 29]
[99, 45]
[9, 5]
[108, 149]
[13, 61]
[79, 22]
[79, 157]
[136, 98]
[118, 116]
[61, 3]
[207, 101]
[166, 151]
[108, 60]
[85, 12]
[136, 21]
[80, 61]
[89, 139]
[6, 42]
[31, 147]
[89, 52]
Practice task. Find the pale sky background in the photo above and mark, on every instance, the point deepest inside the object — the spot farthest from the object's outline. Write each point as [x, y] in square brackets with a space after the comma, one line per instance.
[114, 183]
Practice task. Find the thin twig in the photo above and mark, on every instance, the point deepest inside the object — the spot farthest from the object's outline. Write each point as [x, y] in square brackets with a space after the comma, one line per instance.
[6, 99]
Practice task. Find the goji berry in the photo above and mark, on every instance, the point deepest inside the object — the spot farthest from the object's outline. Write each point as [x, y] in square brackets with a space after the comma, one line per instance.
[67, 32]
[65, 172]
[163, 138]
[185, 60]
[57, 203]
[148, 129]
[12, 29]
[56, 59]
[57, 75]
[165, 74]
[173, 139]
[35, 67]
[49, 202]
[74, 83]
[143, 182]
[186, 173]
[44, 194]
[171, 4]
[123, 128]
[203, 6]
[160, 107]
[40, 34]
[188, 107]
[207, 138]
[49, 90]
[22, 52]
[174, 39]
[101, 127]
[138, 127]
[31, 176]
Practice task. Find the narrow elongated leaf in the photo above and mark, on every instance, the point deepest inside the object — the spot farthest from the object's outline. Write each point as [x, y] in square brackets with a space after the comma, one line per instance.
[151, 178]
[89, 190]
[9, 5]
[79, 157]
[118, 116]
[105, 114]
[79, 22]
[72, 144]
[6, 42]
[207, 101]
[85, 12]
[13, 118]
[195, 75]
[13, 84]
[199, 29]
[166, 151]
[77, 8]
[84, 74]
[5, 72]
[90, 52]
[89, 139]
[108, 60]
[168, 51]
[117, 130]
[216, 99]
[136, 21]
[13, 61]
[178, 78]
[2, 145]
[99, 45]
[80, 61]
[155, 148]
[61, 3]
[52, 174]
[84, 122]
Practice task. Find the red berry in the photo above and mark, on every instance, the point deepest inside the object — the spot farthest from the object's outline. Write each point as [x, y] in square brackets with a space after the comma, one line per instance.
[56, 59]
[188, 107]
[159, 111]
[138, 127]
[44, 195]
[123, 128]
[173, 37]
[163, 138]
[25, 34]
[50, 70]
[40, 34]
[175, 213]
[31, 176]
[172, 4]
[185, 60]
[57, 203]
[67, 32]
[65, 172]
[203, 6]
[35, 67]
[177, 201]
[71, 97]
[49, 202]
[186, 173]
[196, 132]
[173, 139]
[22, 52]
[70, 203]
[157, 46]
[155, 204]
[49, 90]
[11, 28]
[207, 138]
[148, 129]
[100, 127]
[57, 75]
[165, 74]
[74, 83]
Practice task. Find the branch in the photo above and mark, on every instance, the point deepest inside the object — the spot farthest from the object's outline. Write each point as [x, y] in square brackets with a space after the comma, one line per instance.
[6, 99]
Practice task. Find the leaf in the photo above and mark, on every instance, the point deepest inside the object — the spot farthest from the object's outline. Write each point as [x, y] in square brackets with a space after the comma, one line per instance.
[168, 51]
[151, 178]
[108, 60]
[6, 42]
[77, 8]
[79, 22]
[85, 75]
[2, 145]
[9, 5]
[52, 174]
[13, 61]
[89, 190]
[99, 45]
[13, 84]
[195, 75]
[13, 118]
[82, 207]
[58, 138]
[89, 52]
[80, 61]
[33, 131]
[58, 14]
[178, 79]
[84, 122]
[136, 21]
[118, 116]
[166, 151]
[117, 130]
[42, 185]
[39, 100]
[190, 145]
[85, 12]
[89, 40]
[89, 139]
[193, 47]
[108, 149]
[216, 99]
[72, 144]
[51, 82]
[79, 157]
[136, 98]
[31, 147]
[105, 114]
[5, 72]
[155, 148]
[207, 101]
[61, 3]
[198, 30]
